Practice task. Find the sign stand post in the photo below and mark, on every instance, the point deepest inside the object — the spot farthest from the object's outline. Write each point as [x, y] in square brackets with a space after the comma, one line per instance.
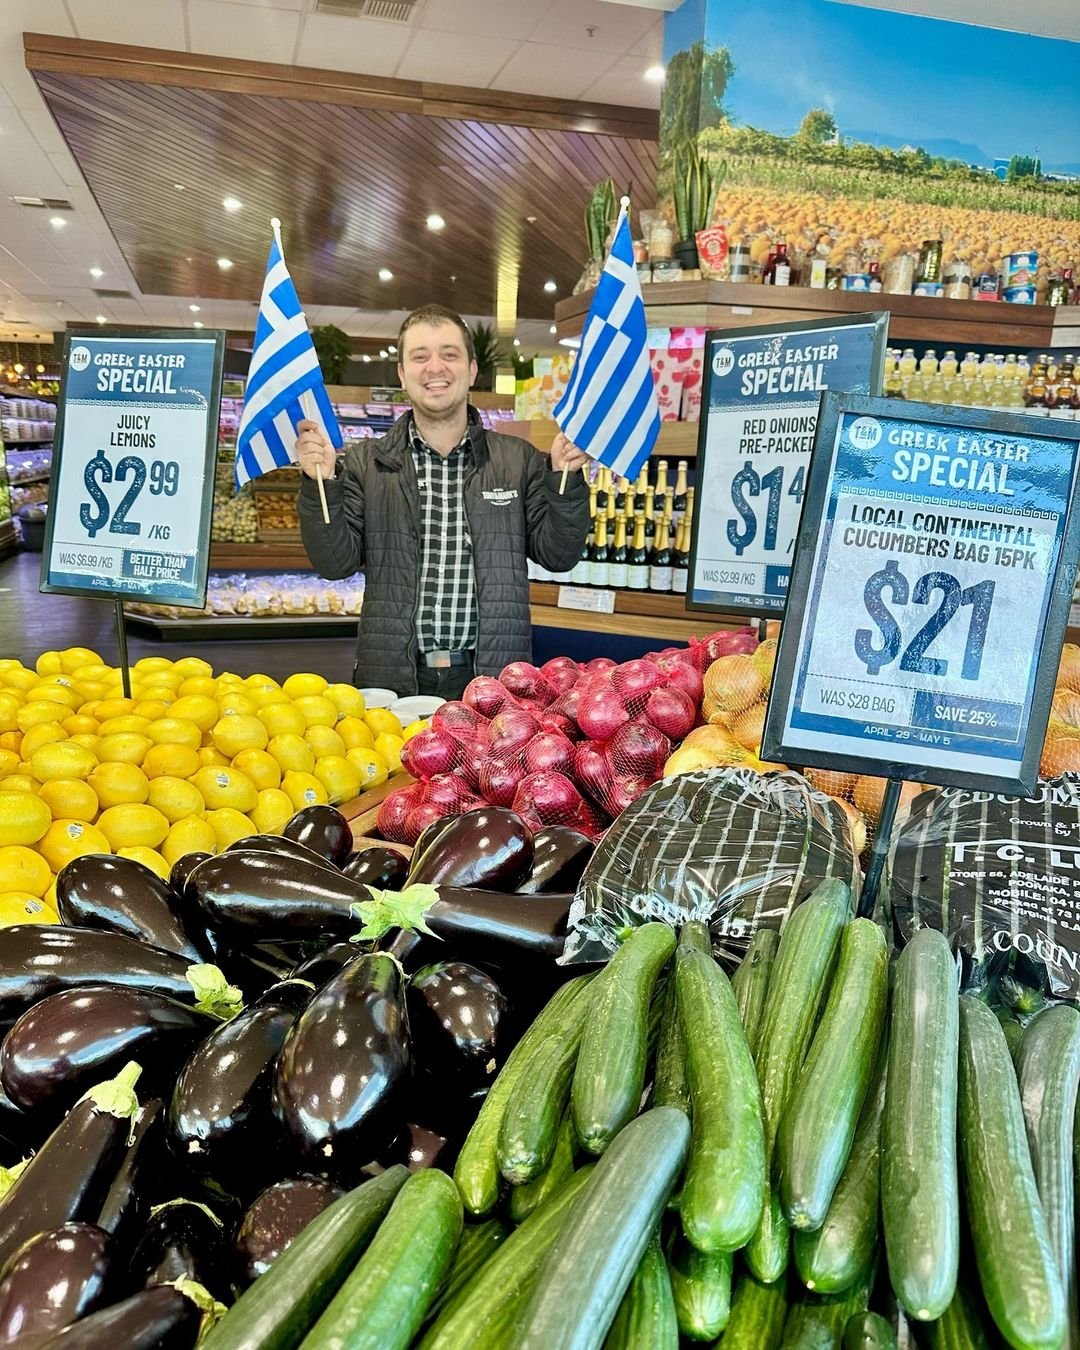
[879, 850]
[121, 637]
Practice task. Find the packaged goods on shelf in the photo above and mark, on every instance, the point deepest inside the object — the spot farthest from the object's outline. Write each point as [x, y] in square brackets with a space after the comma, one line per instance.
[28, 465]
[266, 595]
[1043, 387]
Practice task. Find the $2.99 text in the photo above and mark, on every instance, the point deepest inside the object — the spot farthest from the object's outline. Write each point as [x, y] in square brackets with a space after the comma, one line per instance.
[164, 476]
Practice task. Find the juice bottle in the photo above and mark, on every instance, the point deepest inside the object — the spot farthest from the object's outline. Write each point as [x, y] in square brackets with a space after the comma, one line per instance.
[1010, 370]
[929, 363]
[1023, 370]
[949, 364]
[969, 366]
[935, 390]
[908, 364]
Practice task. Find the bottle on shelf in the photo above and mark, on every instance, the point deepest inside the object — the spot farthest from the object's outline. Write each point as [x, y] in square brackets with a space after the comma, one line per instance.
[1035, 393]
[669, 507]
[661, 477]
[650, 515]
[948, 365]
[680, 488]
[908, 365]
[929, 363]
[781, 266]
[680, 560]
[618, 564]
[637, 570]
[688, 514]
[603, 489]
[660, 578]
[639, 488]
[593, 503]
[599, 555]
[581, 575]
[969, 365]
[622, 493]
[874, 271]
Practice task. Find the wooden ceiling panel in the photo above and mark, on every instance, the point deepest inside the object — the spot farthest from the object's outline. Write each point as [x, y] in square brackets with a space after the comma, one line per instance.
[353, 184]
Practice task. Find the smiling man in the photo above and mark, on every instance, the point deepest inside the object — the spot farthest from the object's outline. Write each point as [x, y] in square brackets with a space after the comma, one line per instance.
[442, 516]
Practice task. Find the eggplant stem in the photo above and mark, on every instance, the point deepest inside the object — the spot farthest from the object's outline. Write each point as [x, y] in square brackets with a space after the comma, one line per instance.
[211, 1308]
[10, 1175]
[117, 1095]
[394, 909]
[171, 1204]
[213, 993]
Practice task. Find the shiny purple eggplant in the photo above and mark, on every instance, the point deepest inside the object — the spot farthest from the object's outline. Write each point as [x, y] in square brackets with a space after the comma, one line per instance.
[275, 1219]
[182, 1240]
[126, 1206]
[384, 868]
[272, 896]
[323, 829]
[560, 856]
[277, 843]
[182, 868]
[490, 848]
[458, 1022]
[325, 964]
[56, 1278]
[153, 1319]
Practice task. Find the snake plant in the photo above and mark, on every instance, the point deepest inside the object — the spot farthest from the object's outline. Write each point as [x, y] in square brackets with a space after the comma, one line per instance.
[696, 183]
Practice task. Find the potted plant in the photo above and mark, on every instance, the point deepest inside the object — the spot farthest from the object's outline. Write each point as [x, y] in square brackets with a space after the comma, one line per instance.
[488, 354]
[334, 351]
[696, 182]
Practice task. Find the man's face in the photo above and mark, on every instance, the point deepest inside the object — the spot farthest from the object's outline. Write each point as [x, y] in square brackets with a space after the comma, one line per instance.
[434, 368]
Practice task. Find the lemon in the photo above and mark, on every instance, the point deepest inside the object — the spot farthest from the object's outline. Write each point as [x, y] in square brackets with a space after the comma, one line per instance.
[226, 787]
[152, 709]
[149, 858]
[147, 663]
[131, 824]
[339, 777]
[19, 782]
[116, 726]
[263, 769]
[382, 720]
[303, 789]
[192, 835]
[56, 693]
[11, 740]
[9, 762]
[292, 753]
[197, 708]
[171, 761]
[273, 811]
[240, 731]
[46, 734]
[67, 839]
[9, 707]
[303, 686]
[175, 798]
[117, 783]
[40, 710]
[228, 679]
[199, 686]
[126, 747]
[348, 700]
[90, 742]
[209, 756]
[324, 741]
[74, 658]
[70, 799]
[234, 703]
[48, 663]
[370, 765]
[355, 733]
[161, 682]
[22, 907]
[389, 747]
[118, 706]
[228, 826]
[190, 666]
[171, 730]
[23, 818]
[414, 729]
[22, 869]
[281, 719]
[316, 711]
[19, 678]
[78, 724]
[62, 760]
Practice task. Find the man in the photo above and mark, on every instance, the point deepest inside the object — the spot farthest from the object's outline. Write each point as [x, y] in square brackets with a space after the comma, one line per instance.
[441, 516]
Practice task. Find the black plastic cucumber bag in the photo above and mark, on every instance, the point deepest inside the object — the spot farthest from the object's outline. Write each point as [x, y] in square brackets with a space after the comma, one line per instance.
[1000, 877]
[725, 846]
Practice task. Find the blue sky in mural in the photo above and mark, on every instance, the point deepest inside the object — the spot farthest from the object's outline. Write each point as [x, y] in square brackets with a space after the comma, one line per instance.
[977, 94]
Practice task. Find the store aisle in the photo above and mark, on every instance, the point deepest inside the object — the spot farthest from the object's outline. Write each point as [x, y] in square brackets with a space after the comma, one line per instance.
[31, 623]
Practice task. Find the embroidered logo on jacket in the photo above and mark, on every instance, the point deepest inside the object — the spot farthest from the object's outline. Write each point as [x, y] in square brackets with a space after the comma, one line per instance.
[500, 496]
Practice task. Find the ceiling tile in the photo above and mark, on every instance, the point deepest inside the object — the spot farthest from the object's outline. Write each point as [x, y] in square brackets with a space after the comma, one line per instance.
[562, 72]
[363, 46]
[650, 43]
[617, 26]
[455, 59]
[32, 16]
[257, 34]
[491, 18]
[151, 23]
[625, 83]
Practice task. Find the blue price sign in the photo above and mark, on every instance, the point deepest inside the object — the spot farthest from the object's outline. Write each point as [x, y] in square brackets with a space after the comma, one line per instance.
[133, 467]
[935, 565]
[760, 408]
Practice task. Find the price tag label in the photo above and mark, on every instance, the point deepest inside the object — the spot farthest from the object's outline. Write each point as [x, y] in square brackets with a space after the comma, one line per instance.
[132, 486]
[935, 570]
[760, 407]
[577, 597]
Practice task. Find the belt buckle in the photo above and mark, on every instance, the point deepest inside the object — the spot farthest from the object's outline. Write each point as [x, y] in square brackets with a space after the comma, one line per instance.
[439, 660]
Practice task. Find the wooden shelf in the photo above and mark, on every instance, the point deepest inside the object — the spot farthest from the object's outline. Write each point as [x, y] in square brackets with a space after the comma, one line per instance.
[244, 557]
[677, 440]
[641, 614]
[914, 318]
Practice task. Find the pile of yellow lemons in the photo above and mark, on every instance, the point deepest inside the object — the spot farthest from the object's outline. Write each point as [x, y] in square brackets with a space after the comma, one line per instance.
[190, 762]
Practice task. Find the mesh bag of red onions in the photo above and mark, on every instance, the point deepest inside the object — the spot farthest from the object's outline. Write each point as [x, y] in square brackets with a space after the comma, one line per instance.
[725, 846]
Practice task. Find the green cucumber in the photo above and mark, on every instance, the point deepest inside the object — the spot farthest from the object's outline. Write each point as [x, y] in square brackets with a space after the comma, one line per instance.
[701, 1287]
[839, 1253]
[276, 1311]
[800, 972]
[725, 1176]
[479, 1243]
[758, 1314]
[583, 1279]
[961, 1326]
[646, 1317]
[477, 1168]
[670, 1087]
[695, 934]
[818, 1126]
[609, 1077]
[919, 1192]
[482, 1314]
[868, 1331]
[1019, 1278]
[751, 981]
[382, 1304]
[806, 1329]
[524, 1199]
[1048, 1069]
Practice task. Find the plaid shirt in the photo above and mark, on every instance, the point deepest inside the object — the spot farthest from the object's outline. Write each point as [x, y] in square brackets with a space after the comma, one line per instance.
[446, 614]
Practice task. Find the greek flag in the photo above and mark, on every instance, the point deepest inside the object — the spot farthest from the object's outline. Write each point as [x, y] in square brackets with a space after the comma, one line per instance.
[609, 409]
[284, 367]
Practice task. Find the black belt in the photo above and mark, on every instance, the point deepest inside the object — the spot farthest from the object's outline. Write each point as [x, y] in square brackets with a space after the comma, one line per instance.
[442, 660]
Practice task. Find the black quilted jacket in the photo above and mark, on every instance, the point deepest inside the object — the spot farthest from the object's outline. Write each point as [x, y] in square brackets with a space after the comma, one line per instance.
[514, 511]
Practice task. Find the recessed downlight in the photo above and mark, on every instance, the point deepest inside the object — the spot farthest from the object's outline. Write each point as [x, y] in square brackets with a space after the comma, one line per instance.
[550, 286]
[97, 273]
[435, 221]
[224, 263]
[385, 274]
[194, 308]
[232, 204]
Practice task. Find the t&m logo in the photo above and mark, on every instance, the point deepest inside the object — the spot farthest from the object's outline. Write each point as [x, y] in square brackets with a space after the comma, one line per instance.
[864, 433]
[79, 358]
[723, 362]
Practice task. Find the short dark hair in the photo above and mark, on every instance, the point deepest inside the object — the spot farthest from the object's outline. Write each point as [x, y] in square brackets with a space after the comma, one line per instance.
[437, 314]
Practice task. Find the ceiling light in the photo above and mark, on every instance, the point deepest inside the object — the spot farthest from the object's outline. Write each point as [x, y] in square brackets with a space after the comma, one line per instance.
[550, 286]
[435, 221]
[656, 73]
[57, 222]
[96, 273]
[231, 203]
[385, 274]
[553, 330]
[179, 187]
[224, 263]
[517, 342]
[40, 369]
[197, 324]
[102, 319]
[384, 354]
[366, 358]
[392, 350]
[194, 308]
[570, 342]
[18, 367]
[530, 220]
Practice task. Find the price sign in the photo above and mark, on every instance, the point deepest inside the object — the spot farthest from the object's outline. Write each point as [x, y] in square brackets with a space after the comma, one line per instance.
[133, 472]
[760, 406]
[934, 573]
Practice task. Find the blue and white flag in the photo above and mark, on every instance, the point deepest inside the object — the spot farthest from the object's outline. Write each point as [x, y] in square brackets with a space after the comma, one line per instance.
[283, 367]
[609, 409]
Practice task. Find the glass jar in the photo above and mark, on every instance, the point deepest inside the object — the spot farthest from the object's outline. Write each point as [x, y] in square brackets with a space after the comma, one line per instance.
[661, 241]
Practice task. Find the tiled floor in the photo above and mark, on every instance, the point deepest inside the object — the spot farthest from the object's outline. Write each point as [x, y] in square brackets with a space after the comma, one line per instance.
[31, 623]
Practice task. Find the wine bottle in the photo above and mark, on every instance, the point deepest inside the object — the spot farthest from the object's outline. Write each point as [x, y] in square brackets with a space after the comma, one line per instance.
[680, 488]
[618, 561]
[650, 516]
[599, 554]
[669, 507]
[688, 514]
[603, 489]
[680, 560]
[639, 488]
[622, 492]
[660, 578]
[661, 477]
[593, 505]
[637, 572]
[581, 574]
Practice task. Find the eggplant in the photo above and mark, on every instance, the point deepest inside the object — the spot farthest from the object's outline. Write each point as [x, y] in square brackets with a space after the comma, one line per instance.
[383, 868]
[429, 834]
[492, 848]
[37, 960]
[344, 1067]
[126, 1207]
[277, 843]
[182, 868]
[71, 1040]
[219, 1115]
[324, 965]
[274, 896]
[560, 856]
[17, 1130]
[275, 1219]
[458, 1022]
[323, 829]
[56, 1278]
[118, 895]
[183, 1239]
[69, 1177]
[420, 1146]
[153, 1319]
[510, 929]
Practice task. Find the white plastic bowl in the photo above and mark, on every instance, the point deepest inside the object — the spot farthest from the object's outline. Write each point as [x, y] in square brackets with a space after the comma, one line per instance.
[379, 698]
[410, 709]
